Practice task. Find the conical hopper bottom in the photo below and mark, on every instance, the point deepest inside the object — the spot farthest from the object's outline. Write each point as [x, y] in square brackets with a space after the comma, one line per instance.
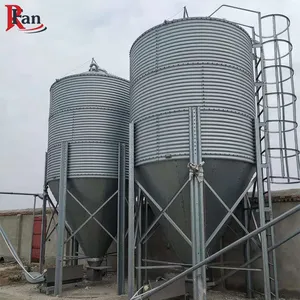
[92, 193]
[162, 180]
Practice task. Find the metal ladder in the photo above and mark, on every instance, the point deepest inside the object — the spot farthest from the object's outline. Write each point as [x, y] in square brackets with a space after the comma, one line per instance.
[264, 163]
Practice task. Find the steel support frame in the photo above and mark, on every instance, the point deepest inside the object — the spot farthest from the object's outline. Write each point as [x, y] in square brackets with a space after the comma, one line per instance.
[92, 216]
[197, 182]
[62, 224]
[61, 219]
[44, 220]
[247, 237]
[131, 215]
[143, 239]
[230, 212]
[209, 259]
[121, 219]
[247, 250]
[163, 213]
[45, 234]
[197, 204]
[137, 240]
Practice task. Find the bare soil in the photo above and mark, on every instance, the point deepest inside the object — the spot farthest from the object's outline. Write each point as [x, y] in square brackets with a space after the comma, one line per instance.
[13, 286]
[104, 291]
[10, 273]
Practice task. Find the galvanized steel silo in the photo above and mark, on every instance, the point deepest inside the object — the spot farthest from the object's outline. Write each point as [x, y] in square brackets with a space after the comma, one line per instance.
[202, 62]
[90, 111]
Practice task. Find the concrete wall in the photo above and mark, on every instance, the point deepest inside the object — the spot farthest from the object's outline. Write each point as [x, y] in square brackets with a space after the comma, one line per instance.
[288, 259]
[287, 255]
[18, 226]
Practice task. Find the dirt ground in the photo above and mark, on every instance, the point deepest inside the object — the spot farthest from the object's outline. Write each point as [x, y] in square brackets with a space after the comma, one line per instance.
[13, 286]
[10, 273]
[105, 291]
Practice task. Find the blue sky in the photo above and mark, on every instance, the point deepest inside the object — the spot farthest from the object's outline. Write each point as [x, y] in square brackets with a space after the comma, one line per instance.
[78, 31]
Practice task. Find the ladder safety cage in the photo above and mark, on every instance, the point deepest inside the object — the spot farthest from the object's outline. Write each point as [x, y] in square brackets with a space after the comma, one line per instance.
[277, 105]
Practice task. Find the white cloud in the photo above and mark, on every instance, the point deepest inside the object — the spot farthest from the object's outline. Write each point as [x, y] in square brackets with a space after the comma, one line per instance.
[78, 31]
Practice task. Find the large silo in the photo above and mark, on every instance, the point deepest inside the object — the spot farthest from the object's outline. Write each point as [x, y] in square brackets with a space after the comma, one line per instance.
[202, 62]
[90, 111]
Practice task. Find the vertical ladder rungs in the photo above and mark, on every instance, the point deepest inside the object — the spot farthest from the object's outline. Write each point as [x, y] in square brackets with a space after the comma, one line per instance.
[264, 166]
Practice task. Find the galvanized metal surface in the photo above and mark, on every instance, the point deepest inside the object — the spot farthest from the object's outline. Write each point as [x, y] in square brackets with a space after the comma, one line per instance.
[90, 111]
[193, 62]
[131, 215]
[61, 219]
[121, 246]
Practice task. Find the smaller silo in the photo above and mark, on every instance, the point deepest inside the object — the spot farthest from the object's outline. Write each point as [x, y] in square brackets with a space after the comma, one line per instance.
[90, 111]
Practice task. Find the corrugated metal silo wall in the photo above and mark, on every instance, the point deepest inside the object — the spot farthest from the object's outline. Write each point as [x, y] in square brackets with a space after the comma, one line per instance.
[193, 62]
[91, 111]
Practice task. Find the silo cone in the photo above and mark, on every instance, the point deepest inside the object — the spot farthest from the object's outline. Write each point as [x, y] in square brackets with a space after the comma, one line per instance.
[91, 112]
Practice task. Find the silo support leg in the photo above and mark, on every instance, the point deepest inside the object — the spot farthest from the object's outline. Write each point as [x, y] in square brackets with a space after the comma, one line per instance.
[145, 217]
[198, 241]
[61, 219]
[121, 220]
[197, 204]
[44, 219]
[131, 215]
[247, 251]
[138, 239]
